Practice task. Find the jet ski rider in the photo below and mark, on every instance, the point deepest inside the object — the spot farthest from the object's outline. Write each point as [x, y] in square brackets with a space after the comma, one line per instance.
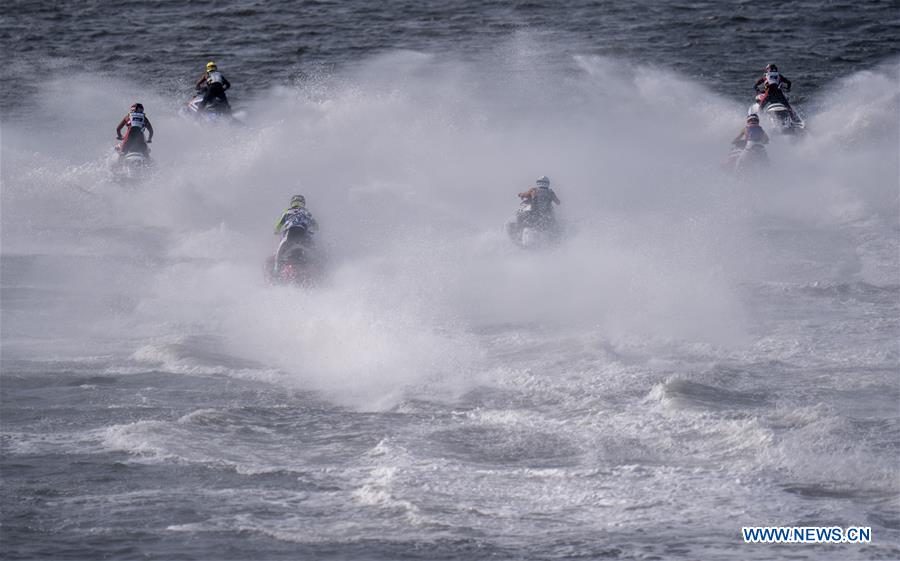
[134, 141]
[296, 226]
[542, 198]
[213, 85]
[771, 91]
[752, 132]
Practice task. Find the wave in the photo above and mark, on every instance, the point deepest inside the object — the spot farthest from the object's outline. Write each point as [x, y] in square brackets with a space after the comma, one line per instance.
[411, 163]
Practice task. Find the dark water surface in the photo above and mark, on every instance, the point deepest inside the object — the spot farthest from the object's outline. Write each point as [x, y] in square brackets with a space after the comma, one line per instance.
[722, 45]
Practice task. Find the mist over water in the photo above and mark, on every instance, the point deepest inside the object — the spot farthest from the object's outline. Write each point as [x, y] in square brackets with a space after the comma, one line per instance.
[696, 340]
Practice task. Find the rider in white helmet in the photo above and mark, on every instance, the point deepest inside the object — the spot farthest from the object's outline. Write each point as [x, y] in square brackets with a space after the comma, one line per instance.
[752, 132]
[542, 198]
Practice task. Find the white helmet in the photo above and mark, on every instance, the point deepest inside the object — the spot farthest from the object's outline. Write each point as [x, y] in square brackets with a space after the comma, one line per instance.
[543, 181]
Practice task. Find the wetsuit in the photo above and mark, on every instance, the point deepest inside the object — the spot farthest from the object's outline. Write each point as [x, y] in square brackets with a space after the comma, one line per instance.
[296, 226]
[773, 93]
[541, 199]
[134, 140]
[751, 133]
[213, 85]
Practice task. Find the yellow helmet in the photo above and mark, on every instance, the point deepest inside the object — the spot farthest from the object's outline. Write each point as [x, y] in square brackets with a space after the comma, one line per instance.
[210, 66]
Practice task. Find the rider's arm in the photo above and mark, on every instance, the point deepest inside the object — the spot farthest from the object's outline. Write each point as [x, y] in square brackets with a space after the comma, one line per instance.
[527, 194]
[765, 137]
[759, 82]
[202, 81]
[149, 128]
[555, 199]
[280, 223]
[786, 82]
[121, 126]
[225, 83]
[740, 136]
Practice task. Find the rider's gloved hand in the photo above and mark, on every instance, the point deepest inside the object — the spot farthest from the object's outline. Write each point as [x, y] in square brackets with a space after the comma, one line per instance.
[150, 141]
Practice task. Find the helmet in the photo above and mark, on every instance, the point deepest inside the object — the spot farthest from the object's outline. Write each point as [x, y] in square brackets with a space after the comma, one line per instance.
[298, 201]
[771, 68]
[543, 181]
[210, 66]
[137, 107]
[753, 119]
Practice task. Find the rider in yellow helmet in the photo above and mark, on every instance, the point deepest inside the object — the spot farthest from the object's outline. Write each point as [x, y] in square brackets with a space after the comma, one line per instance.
[213, 85]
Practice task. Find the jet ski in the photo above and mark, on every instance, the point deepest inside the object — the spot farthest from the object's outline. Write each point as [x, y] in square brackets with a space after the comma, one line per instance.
[302, 265]
[216, 111]
[132, 166]
[779, 116]
[530, 230]
[747, 158]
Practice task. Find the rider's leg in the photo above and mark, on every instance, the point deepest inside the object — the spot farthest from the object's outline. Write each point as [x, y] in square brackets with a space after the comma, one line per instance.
[791, 111]
[279, 252]
[214, 91]
[123, 145]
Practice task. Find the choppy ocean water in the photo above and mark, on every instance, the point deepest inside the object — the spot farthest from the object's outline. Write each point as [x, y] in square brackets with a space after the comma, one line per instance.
[699, 355]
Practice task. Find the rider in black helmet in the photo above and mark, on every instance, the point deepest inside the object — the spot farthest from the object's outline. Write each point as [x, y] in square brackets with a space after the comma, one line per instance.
[772, 86]
[134, 141]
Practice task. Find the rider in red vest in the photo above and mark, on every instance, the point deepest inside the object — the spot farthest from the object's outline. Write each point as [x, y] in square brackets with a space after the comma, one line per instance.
[134, 141]
[773, 87]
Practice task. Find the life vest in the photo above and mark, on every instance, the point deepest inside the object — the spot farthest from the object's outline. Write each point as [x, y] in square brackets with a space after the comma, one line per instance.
[136, 120]
[754, 133]
[214, 77]
[542, 200]
[296, 218]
